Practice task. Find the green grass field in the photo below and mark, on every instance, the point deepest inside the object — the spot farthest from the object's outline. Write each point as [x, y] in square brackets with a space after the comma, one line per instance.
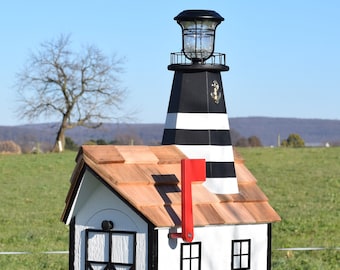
[302, 185]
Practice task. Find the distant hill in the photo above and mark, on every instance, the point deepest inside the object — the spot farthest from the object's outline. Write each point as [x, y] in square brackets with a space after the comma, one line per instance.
[313, 131]
[46, 132]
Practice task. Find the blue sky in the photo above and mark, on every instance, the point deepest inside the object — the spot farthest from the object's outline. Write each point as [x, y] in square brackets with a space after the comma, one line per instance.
[284, 56]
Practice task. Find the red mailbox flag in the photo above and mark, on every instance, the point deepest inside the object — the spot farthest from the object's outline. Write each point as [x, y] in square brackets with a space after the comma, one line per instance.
[191, 170]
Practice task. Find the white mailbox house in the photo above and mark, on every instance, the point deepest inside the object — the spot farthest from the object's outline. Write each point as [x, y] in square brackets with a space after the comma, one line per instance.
[124, 201]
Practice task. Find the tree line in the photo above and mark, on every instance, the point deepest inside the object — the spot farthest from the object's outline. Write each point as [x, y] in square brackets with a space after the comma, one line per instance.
[293, 140]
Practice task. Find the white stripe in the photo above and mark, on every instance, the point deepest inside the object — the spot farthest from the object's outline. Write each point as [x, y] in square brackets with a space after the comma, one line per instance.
[227, 185]
[213, 153]
[218, 121]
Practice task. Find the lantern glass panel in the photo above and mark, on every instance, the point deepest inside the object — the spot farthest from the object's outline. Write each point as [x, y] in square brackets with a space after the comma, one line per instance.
[198, 39]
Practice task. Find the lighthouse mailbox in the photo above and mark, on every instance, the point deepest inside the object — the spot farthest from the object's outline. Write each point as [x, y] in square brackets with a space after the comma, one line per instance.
[176, 206]
[197, 120]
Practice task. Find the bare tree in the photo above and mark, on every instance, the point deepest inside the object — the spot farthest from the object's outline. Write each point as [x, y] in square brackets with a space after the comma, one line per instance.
[80, 88]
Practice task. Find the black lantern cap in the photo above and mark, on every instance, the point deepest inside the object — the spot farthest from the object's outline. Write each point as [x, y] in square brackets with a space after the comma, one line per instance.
[196, 14]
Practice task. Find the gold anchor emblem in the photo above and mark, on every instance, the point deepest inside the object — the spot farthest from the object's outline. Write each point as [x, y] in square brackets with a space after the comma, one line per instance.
[215, 94]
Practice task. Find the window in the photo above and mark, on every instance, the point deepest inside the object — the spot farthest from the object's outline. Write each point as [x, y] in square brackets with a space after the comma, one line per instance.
[240, 254]
[191, 256]
[110, 250]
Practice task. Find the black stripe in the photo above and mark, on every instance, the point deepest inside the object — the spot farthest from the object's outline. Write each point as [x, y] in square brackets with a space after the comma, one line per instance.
[191, 93]
[196, 137]
[220, 169]
[269, 246]
[152, 248]
[72, 244]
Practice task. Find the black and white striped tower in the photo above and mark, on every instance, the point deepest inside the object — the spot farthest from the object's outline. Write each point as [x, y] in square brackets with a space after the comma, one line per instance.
[197, 120]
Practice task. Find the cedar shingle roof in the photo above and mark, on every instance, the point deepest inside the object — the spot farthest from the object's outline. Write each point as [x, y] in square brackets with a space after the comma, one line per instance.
[148, 177]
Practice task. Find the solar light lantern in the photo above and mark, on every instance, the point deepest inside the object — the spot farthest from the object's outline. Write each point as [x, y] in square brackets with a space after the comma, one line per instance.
[198, 33]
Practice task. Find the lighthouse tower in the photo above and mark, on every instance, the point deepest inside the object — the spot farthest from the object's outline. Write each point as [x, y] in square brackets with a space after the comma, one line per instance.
[197, 120]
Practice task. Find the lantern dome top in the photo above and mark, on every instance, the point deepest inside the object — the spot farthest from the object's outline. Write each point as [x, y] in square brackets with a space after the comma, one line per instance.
[198, 14]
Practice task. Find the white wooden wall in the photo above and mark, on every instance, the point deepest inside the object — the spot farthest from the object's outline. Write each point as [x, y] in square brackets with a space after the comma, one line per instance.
[216, 246]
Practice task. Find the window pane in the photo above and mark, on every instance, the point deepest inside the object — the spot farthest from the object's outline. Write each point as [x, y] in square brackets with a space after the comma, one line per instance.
[122, 267]
[244, 261]
[95, 266]
[237, 263]
[194, 264]
[237, 247]
[245, 247]
[186, 251]
[122, 248]
[186, 264]
[195, 250]
[97, 244]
